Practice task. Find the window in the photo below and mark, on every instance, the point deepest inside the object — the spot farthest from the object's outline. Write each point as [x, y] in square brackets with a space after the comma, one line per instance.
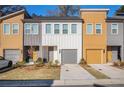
[6, 29]
[48, 28]
[73, 28]
[65, 28]
[114, 28]
[89, 29]
[15, 28]
[27, 28]
[98, 29]
[34, 28]
[56, 28]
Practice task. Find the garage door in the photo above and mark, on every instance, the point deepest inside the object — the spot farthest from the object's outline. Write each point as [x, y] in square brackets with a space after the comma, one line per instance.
[13, 55]
[94, 56]
[69, 56]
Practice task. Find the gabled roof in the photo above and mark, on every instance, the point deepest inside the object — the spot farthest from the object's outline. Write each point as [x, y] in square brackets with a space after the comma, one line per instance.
[14, 13]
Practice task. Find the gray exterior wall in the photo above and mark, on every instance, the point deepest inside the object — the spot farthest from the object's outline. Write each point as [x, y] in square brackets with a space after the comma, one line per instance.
[33, 40]
[116, 40]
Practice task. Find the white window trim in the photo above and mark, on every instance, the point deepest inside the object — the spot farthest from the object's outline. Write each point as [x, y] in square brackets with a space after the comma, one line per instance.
[31, 29]
[54, 29]
[9, 29]
[50, 26]
[24, 29]
[67, 28]
[18, 28]
[76, 28]
[117, 29]
[86, 29]
[101, 29]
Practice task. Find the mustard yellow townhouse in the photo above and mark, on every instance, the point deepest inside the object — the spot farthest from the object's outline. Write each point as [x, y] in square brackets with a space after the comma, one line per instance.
[11, 36]
[94, 35]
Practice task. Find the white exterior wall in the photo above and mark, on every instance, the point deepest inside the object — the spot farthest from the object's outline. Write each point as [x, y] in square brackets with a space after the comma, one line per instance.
[63, 41]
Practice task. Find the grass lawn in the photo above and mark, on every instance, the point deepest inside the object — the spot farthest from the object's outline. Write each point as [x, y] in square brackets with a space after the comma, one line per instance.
[94, 72]
[31, 72]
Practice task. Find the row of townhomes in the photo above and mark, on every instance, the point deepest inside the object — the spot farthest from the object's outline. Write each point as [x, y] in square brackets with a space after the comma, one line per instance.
[93, 36]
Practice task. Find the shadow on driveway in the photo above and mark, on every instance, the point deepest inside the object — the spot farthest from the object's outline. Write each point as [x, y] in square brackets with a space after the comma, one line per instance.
[26, 83]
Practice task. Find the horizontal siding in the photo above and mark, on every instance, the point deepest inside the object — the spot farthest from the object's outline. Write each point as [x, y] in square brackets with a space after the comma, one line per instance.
[31, 40]
[115, 39]
[34, 40]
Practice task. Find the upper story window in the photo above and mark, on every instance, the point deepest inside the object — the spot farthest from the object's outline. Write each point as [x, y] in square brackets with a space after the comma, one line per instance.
[65, 28]
[56, 28]
[89, 28]
[73, 28]
[27, 28]
[48, 28]
[114, 28]
[98, 29]
[35, 28]
[6, 28]
[15, 28]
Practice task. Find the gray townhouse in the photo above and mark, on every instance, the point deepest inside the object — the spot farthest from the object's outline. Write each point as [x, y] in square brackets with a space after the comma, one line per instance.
[32, 39]
[115, 38]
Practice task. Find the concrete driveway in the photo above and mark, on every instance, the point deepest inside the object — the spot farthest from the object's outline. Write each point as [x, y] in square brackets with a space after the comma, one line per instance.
[74, 71]
[112, 72]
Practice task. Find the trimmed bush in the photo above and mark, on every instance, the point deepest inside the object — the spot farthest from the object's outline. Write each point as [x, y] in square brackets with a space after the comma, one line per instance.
[83, 62]
[20, 64]
[39, 62]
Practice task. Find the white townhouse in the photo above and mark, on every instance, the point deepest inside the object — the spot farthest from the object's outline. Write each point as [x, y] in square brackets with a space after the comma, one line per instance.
[61, 39]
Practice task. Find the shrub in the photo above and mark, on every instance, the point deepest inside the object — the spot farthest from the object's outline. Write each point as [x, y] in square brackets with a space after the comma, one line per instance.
[83, 62]
[122, 64]
[39, 62]
[20, 64]
[55, 64]
[118, 63]
[50, 64]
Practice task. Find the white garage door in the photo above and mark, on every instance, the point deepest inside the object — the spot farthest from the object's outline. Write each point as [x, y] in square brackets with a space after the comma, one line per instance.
[69, 56]
[12, 55]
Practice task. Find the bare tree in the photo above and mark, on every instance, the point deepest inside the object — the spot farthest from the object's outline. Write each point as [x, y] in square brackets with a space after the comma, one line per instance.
[120, 10]
[65, 10]
[6, 9]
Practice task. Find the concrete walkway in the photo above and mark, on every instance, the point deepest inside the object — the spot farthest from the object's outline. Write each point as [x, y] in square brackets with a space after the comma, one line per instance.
[74, 71]
[112, 72]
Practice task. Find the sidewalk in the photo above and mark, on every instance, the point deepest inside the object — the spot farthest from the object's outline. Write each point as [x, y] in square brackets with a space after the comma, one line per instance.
[63, 83]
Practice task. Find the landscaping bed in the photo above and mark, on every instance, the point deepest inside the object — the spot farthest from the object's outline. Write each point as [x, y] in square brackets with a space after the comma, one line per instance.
[32, 72]
[119, 65]
[94, 72]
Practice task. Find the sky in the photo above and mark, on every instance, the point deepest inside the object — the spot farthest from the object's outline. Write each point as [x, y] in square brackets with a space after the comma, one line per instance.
[42, 9]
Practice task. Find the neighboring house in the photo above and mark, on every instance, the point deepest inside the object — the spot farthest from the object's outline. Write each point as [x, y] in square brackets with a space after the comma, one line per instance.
[94, 35]
[11, 36]
[115, 38]
[62, 39]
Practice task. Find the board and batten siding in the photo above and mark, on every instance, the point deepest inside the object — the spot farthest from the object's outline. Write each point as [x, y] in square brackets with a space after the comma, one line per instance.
[63, 41]
[118, 39]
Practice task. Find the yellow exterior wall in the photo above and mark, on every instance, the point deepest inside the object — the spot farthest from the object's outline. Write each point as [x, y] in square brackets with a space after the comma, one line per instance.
[94, 41]
[12, 41]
